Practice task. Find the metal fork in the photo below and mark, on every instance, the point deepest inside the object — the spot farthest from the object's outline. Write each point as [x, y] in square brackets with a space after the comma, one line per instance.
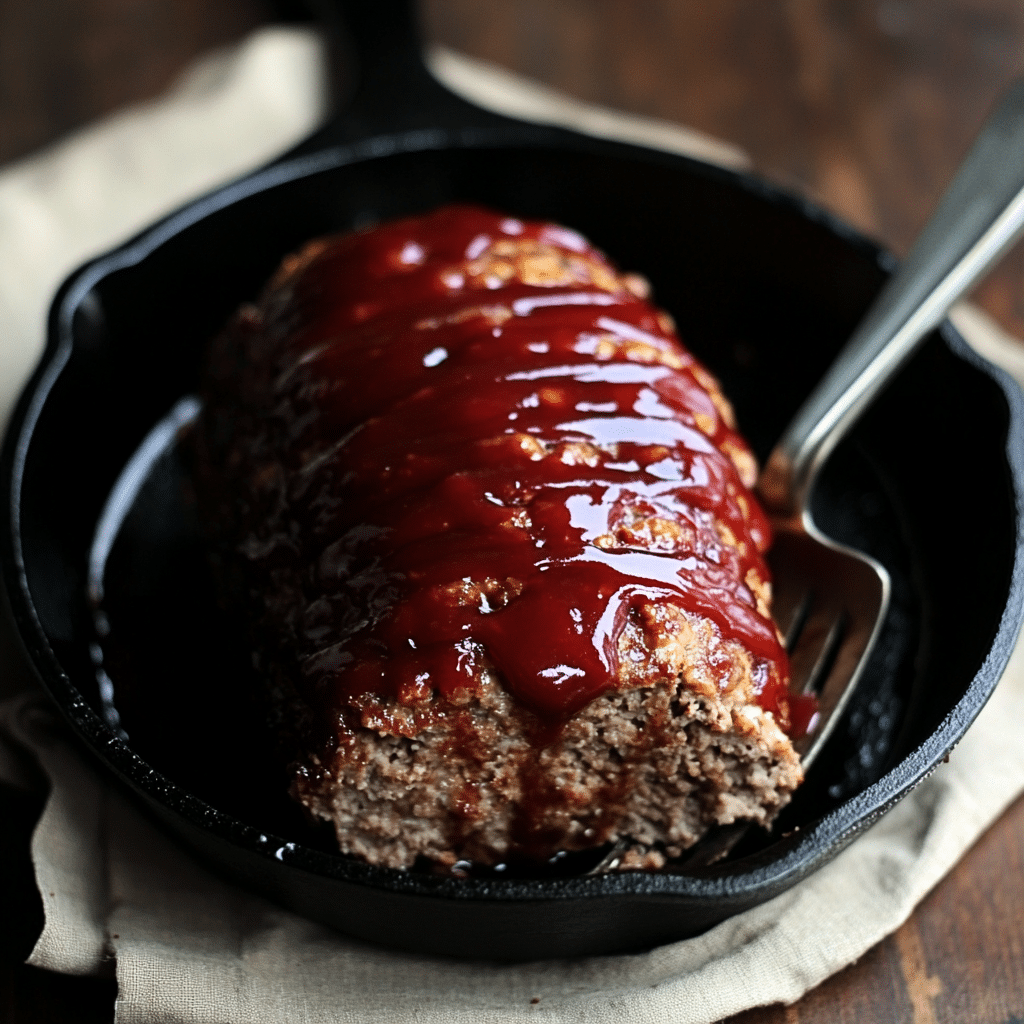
[831, 600]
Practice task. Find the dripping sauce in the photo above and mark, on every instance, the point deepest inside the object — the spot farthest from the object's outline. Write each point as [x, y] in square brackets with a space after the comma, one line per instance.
[500, 461]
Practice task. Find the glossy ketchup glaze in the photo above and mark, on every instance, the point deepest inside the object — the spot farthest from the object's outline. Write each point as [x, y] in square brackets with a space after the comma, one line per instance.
[497, 451]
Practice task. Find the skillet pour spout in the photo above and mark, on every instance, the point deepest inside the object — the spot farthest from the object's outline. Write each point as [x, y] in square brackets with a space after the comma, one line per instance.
[764, 288]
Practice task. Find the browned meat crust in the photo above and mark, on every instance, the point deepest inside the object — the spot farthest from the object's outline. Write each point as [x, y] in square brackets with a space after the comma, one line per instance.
[675, 742]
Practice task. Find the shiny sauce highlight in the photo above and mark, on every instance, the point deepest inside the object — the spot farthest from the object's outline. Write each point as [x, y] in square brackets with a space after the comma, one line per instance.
[499, 450]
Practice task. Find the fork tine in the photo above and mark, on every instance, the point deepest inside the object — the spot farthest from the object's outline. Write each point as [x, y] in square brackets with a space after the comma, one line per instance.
[835, 683]
[843, 595]
[826, 661]
[790, 606]
[792, 622]
[812, 645]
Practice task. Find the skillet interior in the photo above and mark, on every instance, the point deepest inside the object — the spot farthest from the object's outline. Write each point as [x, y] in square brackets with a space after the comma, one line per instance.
[764, 290]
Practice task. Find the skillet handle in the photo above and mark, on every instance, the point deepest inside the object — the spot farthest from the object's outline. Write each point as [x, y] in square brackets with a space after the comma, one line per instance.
[378, 42]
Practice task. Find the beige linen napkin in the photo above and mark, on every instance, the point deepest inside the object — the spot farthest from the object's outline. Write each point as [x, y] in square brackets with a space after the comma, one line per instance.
[190, 948]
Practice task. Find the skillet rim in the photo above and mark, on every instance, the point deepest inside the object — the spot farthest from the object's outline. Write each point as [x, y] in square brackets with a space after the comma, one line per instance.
[795, 857]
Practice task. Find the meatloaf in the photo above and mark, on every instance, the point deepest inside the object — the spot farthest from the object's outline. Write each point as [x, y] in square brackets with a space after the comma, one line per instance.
[495, 530]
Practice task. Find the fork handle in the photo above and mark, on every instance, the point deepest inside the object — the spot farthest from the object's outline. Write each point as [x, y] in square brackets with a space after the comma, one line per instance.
[978, 219]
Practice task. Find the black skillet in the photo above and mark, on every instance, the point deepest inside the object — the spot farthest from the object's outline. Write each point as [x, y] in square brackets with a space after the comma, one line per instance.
[765, 287]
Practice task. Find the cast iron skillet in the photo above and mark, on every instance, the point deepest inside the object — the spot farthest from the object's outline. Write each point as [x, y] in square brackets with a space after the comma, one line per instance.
[764, 288]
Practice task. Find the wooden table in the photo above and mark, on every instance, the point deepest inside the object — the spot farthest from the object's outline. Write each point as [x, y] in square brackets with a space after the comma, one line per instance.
[865, 105]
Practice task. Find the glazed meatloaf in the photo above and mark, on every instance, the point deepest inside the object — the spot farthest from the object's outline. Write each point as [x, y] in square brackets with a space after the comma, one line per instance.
[504, 568]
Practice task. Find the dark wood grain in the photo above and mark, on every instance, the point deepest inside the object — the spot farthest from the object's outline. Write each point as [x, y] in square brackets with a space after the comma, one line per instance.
[64, 63]
[960, 957]
[866, 105]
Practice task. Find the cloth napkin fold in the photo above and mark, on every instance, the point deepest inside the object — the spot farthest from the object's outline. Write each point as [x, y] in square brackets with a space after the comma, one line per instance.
[187, 947]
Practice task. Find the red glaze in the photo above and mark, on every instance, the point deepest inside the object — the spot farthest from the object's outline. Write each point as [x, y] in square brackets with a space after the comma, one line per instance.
[451, 425]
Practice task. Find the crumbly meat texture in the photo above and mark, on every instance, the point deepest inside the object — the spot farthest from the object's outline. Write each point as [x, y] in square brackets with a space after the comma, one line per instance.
[676, 743]
[655, 764]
